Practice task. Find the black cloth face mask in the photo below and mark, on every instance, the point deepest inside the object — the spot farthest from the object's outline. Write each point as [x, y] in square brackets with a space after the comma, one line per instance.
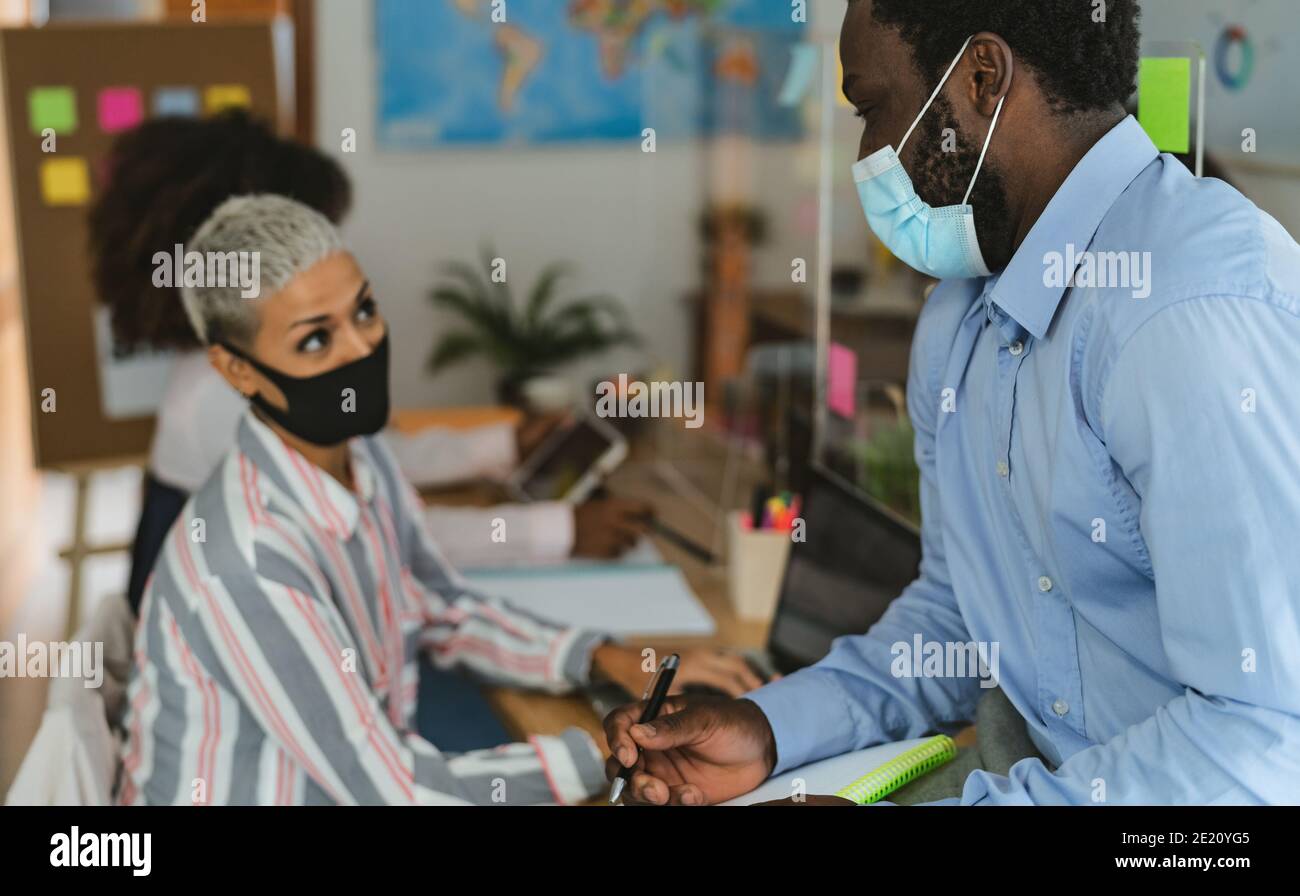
[321, 410]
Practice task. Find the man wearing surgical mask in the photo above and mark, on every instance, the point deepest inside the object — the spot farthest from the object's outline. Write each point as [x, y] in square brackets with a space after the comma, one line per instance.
[1102, 388]
[278, 635]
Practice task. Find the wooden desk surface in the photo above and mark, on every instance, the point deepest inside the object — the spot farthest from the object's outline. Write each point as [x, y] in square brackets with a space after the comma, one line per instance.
[524, 713]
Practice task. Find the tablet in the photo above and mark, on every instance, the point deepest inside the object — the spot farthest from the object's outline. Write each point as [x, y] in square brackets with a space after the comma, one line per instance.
[571, 463]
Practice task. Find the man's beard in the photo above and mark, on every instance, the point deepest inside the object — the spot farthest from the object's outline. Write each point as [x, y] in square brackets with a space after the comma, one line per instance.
[941, 179]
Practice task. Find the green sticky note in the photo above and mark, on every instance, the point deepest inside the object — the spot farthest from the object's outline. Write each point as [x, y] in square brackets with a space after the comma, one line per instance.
[54, 108]
[1164, 101]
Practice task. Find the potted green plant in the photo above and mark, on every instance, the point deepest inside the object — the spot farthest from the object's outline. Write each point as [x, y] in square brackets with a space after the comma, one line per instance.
[887, 469]
[525, 340]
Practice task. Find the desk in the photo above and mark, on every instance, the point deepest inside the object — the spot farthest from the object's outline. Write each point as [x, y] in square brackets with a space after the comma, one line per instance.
[525, 714]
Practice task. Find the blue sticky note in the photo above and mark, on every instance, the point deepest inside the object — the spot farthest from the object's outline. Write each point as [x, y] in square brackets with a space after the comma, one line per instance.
[181, 101]
[801, 76]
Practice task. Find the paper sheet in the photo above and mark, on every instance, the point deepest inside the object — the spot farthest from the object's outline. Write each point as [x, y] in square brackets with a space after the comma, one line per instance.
[622, 600]
[827, 776]
[643, 553]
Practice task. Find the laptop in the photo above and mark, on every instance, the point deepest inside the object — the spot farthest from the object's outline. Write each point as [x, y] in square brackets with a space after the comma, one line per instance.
[858, 556]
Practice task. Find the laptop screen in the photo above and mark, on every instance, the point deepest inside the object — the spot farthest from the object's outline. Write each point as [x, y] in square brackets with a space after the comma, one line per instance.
[856, 559]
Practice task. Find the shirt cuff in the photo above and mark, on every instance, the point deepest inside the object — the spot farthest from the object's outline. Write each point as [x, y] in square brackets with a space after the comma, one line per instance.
[497, 450]
[575, 661]
[810, 719]
[438, 456]
[551, 531]
[573, 765]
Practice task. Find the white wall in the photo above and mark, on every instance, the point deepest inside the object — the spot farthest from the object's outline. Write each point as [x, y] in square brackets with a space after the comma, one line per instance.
[1276, 191]
[622, 216]
[627, 219]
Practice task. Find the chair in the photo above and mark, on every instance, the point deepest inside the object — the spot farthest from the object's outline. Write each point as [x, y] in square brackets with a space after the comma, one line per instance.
[74, 759]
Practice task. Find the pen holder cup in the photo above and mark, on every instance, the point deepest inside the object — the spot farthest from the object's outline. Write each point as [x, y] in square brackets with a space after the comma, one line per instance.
[756, 565]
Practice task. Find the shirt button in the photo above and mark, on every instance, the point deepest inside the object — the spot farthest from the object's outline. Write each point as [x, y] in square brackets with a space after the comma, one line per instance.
[1044, 583]
[1017, 349]
[1003, 469]
[1060, 707]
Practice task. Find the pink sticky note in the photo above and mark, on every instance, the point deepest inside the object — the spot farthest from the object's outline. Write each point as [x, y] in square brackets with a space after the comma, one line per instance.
[120, 108]
[842, 382]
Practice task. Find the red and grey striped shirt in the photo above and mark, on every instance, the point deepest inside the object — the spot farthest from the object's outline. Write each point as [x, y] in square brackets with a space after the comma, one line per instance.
[275, 657]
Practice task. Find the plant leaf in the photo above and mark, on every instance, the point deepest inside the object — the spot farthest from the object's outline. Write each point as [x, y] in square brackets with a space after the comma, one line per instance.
[475, 286]
[497, 292]
[591, 309]
[535, 337]
[453, 348]
[480, 315]
[544, 290]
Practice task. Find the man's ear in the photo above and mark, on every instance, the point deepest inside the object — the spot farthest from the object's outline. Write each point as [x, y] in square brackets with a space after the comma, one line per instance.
[990, 73]
[233, 369]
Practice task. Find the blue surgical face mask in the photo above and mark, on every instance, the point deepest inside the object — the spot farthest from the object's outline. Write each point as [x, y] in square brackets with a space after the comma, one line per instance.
[939, 242]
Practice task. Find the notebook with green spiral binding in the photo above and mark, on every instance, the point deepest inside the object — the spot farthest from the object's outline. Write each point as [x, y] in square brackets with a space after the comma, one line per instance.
[902, 769]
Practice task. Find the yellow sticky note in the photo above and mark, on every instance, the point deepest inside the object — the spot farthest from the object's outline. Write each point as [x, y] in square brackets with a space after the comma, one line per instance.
[65, 181]
[226, 96]
[1164, 102]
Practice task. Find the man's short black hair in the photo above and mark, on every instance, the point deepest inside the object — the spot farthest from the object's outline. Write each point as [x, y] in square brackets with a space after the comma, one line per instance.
[1083, 65]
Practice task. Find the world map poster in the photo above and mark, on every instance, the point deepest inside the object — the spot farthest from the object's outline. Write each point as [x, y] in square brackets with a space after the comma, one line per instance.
[451, 72]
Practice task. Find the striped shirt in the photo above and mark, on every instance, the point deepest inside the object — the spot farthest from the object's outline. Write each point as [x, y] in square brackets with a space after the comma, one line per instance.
[275, 656]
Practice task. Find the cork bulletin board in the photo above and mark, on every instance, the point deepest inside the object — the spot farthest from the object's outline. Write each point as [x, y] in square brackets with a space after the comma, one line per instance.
[88, 83]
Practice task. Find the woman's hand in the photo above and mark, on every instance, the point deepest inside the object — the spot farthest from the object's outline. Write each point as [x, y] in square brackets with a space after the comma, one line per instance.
[532, 431]
[607, 527]
[727, 672]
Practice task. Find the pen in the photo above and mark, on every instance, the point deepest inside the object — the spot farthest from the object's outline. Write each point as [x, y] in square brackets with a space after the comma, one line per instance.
[758, 505]
[691, 547]
[699, 552]
[658, 690]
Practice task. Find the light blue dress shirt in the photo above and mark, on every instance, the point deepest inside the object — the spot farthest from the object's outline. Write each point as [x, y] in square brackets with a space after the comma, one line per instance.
[1111, 493]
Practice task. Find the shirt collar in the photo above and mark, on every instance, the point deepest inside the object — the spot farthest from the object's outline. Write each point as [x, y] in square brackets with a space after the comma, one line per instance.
[1071, 218]
[333, 507]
